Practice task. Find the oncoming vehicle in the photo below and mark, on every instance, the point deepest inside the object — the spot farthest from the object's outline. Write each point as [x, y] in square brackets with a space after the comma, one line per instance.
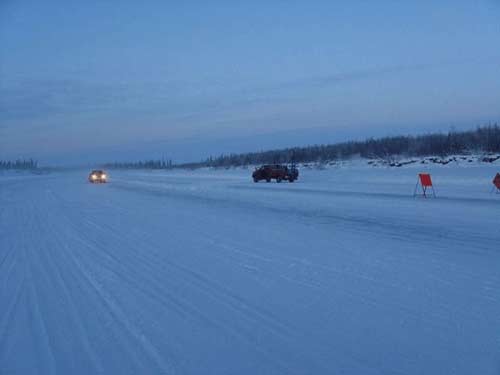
[278, 172]
[98, 176]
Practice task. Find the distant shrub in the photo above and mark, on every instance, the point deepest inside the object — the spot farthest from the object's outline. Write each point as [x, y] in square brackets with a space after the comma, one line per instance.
[146, 164]
[19, 164]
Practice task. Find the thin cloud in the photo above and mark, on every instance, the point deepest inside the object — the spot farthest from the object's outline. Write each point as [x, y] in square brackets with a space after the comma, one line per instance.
[33, 99]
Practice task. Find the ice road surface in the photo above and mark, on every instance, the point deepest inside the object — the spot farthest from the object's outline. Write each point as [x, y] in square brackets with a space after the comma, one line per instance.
[206, 272]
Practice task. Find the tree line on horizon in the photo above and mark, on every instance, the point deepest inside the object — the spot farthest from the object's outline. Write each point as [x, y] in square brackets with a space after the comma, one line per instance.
[19, 164]
[482, 139]
[142, 164]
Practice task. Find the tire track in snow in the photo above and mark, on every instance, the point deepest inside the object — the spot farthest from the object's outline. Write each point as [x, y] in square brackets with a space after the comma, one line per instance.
[61, 283]
[39, 329]
[217, 291]
[108, 301]
[356, 297]
[124, 240]
[10, 309]
[157, 291]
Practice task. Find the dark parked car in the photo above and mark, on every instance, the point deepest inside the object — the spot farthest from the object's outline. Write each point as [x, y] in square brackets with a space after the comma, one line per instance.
[98, 176]
[278, 172]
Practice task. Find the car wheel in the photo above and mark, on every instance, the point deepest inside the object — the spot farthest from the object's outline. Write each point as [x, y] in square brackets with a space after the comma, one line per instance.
[268, 180]
[278, 180]
[255, 180]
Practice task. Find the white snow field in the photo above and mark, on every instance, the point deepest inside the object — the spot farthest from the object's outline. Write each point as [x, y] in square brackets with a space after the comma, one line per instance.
[205, 272]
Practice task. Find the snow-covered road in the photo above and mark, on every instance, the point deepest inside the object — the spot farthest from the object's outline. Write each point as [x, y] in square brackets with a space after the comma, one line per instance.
[206, 272]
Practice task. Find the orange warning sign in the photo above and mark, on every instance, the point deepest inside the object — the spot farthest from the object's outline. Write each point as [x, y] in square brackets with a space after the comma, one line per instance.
[425, 179]
[425, 182]
[496, 181]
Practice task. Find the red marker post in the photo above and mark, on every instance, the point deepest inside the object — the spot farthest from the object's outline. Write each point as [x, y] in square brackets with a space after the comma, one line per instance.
[425, 181]
[496, 182]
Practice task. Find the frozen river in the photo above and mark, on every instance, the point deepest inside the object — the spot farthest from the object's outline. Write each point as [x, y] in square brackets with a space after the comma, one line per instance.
[205, 272]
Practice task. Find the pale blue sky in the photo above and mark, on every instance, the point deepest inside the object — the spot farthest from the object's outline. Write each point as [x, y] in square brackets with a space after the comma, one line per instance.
[88, 80]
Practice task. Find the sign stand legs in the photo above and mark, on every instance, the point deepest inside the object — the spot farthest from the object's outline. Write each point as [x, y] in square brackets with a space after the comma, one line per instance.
[424, 180]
